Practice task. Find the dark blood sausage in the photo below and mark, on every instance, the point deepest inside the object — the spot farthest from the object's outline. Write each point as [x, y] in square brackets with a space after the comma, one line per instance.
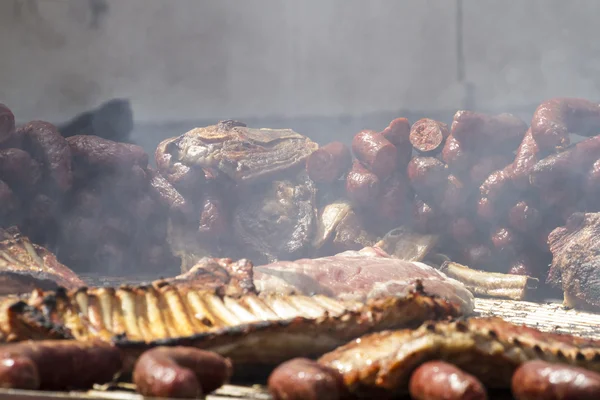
[375, 152]
[19, 170]
[524, 217]
[362, 186]
[458, 159]
[97, 153]
[427, 135]
[395, 201]
[213, 218]
[556, 118]
[43, 141]
[57, 364]
[304, 379]
[527, 156]
[180, 372]
[556, 170]
[486, 166]
[438, 380]
[541, 380]
[328, 163]
[475, 130]
[426, 175]
[165, 194]
[497, 186]
[7, 123]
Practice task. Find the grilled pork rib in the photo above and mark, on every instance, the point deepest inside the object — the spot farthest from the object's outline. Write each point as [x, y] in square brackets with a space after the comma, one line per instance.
[488, 348]
[248, 329]
[25, 266]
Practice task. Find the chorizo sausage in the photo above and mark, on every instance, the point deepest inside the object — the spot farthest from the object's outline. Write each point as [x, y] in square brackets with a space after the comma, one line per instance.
[398, 132]
[180, 372]
[426, 175]
[43, 141]
[304, 379]
[328, 163]
[427, 136]
[486, 166]
[58, 364]
[96, 153]
[395, 201]
[556, 118]
[526, 157]
[375, 152]
[7, 123]
[506, 241]
[524, 217]
[458, 159]
[362, 186]
[438, 380]
[541, 380]
[475, 130]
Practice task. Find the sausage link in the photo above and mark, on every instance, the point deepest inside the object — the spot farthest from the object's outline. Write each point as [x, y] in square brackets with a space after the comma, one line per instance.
[541, 380]
[362, 186]
[43, 141]
[438, 380]
[329, 162]
[165, 194]
[398, 132]
[7, 123]
[393, 205]
[524, 217]
[427, 175]
[96, 153]
[556, 118]
[506, 242]
[452, 196]
[476, 130]
[19, 170]
[458, 159]
[526, 157]
[304, 379]
[375, 152]
[58, 364]
[180, 372]
[427, 136]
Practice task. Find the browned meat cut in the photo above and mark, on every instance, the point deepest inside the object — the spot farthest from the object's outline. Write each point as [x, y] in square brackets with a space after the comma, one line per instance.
[244, 154]
[575, 260]
[249, 329]
[25, 266]
[359, 275]
[490, 349]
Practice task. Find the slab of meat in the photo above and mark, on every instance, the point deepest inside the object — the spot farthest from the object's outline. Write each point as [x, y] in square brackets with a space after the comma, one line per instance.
[488, 348]
[359, 275]
[25, 266]
[250, 329]
[575, 265]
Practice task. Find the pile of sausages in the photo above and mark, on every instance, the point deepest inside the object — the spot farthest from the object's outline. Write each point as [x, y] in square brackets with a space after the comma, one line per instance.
[85, 197]
[437, 380]
[490, 185]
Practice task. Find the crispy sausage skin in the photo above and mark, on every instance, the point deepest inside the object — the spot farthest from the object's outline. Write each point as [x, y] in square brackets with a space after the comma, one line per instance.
[554, 119]
[456, 156]
[329, 162]
[438, 380]
[540, 380]
[180, 372]
[304, 379]
[57, 364]
[375, 152]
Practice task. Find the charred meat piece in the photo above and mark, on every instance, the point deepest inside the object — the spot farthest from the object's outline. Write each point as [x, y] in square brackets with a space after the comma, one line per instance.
[25, 266]
[490, 349]
[575, 264]
[248, 329]
[279, 221]
[359, 275]
[241, 153]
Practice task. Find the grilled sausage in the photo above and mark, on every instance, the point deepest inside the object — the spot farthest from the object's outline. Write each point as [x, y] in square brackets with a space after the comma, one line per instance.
[426, 175]
[7, 123]
[427, 136]
[398, 132]
[329, 162]
[362, 186]
[438, 380]
[180, 372]
[43, 141]
[476, 130]
[505, 241]
[19, 170]
[165, 194]
[540, 380]
[96, 153]
[527, 156]
[57, 364]
[375, 152]
[554, 119]
[304, 379]
[394, 204]
[458, 159]
[425, 218]
[524, 217]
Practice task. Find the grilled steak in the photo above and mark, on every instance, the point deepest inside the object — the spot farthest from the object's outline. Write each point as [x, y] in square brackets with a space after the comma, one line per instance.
[25, 266]
[491, 349]
[248, 329]
[576, 261]
[359, 275]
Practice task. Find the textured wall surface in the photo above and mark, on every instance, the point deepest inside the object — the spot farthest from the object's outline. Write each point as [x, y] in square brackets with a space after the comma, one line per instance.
[190, 59]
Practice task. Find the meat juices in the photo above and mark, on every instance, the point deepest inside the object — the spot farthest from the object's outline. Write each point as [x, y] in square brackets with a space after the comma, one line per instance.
[541, 380]
[329, 162]
[180, 372]
[427, 135]
[304, 379]
[556, 118]
[438, 380]
[375, 152]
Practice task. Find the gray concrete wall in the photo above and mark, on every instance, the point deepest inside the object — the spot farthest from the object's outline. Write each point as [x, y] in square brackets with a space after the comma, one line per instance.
[194, 59]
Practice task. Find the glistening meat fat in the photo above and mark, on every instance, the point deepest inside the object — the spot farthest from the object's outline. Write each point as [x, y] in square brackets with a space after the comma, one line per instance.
[359, 275]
